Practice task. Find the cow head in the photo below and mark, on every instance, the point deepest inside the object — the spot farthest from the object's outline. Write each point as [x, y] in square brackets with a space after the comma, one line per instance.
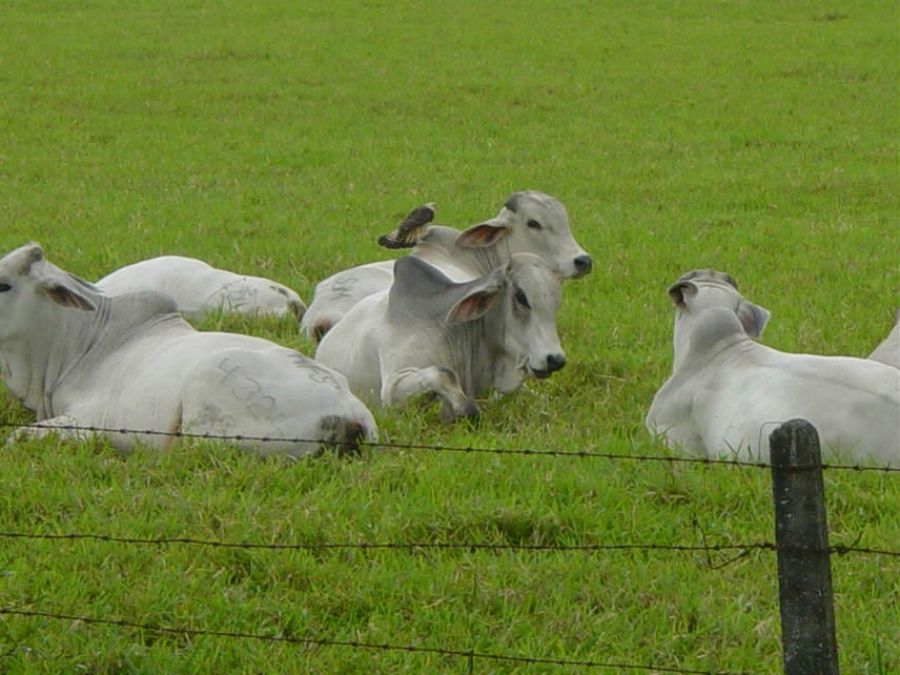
[27, 280]
[699, 290]
[533, 222]
[523, 298]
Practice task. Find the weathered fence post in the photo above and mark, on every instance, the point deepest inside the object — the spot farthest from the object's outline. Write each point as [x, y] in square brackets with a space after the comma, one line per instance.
[801, 536]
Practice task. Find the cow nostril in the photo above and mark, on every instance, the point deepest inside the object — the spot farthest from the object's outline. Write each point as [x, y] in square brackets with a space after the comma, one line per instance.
[555, 362]
[583, 264]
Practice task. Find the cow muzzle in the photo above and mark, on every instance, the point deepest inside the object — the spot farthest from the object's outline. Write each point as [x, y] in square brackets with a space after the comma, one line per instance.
[583, 265]
[554, 362]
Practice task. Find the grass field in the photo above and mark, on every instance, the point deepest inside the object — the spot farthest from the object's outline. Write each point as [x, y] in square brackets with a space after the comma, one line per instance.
[280, 139]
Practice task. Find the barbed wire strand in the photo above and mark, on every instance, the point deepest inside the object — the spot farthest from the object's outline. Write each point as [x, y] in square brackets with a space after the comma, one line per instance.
[741, 549]
[582, 454]
[357, 644]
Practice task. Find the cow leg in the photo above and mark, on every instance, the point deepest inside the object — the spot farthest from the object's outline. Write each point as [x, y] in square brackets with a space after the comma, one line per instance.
[437, 380]
[65, 427]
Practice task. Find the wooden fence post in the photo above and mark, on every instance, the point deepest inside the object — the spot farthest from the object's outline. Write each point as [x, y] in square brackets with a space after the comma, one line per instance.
[801, 536]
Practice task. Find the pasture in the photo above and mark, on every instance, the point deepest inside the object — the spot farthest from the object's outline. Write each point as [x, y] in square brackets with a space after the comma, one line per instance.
[281, 139]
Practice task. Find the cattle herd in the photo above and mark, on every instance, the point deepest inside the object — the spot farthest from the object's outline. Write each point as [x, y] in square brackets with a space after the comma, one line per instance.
[464, 314]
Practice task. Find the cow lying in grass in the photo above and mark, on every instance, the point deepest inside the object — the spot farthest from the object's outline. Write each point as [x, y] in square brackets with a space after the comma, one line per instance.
[428, 334]
[199, 289]
[529, 221]
[727, 393]
[79, 358]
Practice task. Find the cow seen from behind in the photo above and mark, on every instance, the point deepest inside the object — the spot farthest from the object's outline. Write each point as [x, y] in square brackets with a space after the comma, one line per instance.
[727, 392]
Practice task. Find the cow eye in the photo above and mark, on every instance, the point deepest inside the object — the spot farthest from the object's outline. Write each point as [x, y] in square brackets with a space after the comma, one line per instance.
[535, 225]
[522, 299]
[4, 287]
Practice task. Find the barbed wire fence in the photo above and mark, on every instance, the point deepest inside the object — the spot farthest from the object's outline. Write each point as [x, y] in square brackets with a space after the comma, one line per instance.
[469, 655]
[790, 549]
[390, 445]
[739, 550]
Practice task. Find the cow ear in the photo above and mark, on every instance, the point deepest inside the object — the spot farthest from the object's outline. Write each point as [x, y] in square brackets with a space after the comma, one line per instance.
[484, 234]
[473, 305]
[68, 297]
[682, 292]
[753, 317]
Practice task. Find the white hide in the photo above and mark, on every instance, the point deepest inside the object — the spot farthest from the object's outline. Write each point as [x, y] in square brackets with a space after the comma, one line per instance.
[457, 340]
[80, 358]
[199, 289]
[529, 222]
[889, 350]
[728, 393]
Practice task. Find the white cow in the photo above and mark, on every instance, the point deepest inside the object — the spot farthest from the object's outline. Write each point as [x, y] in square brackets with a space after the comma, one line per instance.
[529, 221]
[457, 340]
[199, 289]
[889, 350]
[727, 393]
[79, 358]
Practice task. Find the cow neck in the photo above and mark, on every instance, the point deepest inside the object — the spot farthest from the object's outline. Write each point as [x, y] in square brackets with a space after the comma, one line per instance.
[473, 347]
[731, 343]
[681, 339]
[37, 362]
[68, 339]
[476, 260]
[484, 259]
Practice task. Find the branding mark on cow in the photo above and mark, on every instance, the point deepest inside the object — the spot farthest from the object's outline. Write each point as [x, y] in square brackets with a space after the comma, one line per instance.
[344, 287]
[315, 371]
[246, 389]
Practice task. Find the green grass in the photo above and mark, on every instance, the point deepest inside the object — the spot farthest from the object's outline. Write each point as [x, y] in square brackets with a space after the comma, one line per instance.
[281, 139]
